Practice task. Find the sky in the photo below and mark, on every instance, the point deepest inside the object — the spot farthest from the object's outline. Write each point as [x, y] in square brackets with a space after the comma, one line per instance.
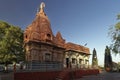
[79, 21]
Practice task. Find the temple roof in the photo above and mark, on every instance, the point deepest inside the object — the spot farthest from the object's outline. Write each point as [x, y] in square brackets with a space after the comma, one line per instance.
[59, 36]
[40, 31]
[59, 40]
[76, 47]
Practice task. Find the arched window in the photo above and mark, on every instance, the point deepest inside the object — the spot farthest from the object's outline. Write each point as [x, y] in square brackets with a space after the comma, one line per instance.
[73, 60]
[25, 36]
[48, 36]
[80, 61]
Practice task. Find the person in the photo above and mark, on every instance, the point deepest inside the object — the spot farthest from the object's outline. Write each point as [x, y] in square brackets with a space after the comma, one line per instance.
[21, 65]
[70, 65]
[14, 67]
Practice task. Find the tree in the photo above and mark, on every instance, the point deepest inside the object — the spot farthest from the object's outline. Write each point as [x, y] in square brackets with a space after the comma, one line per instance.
[107, 59]
[94, 59]
[115, 34]
[11, 43]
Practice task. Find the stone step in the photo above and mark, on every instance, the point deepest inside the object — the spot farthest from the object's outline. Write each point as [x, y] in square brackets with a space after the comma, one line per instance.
[62, 75]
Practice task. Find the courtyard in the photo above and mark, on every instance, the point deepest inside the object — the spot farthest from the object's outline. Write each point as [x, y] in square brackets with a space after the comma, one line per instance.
[102, 76]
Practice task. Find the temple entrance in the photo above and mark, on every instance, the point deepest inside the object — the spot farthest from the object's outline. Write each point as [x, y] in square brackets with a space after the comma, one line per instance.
[67, 62]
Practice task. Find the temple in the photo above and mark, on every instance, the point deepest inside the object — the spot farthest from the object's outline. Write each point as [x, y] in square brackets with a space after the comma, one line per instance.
[44, 50]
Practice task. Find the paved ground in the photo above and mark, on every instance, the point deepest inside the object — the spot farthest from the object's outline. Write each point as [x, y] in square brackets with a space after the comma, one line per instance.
[103, 76]
[6, 76]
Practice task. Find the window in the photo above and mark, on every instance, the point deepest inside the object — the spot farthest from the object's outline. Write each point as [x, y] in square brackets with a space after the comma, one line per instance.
[25, 36]
[34, 54]
[48, 36]
[47, 57]
[86, 61]
[80, 61]
[73, 60]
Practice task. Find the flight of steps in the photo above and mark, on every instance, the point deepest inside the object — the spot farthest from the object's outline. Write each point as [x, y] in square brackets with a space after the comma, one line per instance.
[62, 74]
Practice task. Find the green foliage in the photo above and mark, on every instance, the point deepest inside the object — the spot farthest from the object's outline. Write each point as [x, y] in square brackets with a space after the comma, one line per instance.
[11, 43]
[108, 58]
[115, 35]
[117, 26]
[94, 58]
[118, 16]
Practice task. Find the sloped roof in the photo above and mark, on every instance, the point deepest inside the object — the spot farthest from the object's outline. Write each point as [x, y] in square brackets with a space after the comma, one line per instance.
[76, 47]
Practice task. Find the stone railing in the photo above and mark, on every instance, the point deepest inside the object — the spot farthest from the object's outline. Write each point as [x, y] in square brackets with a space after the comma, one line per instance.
[44, 66]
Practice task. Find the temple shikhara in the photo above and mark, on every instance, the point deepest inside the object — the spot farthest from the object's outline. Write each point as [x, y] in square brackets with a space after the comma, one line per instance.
[44, 50]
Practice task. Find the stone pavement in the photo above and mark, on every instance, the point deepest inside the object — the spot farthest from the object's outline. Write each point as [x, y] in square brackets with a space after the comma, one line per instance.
[6, 76]
[103, 76]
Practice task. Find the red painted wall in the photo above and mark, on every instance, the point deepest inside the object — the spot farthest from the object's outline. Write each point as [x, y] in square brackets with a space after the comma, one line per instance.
[35, 75]
[53, 74]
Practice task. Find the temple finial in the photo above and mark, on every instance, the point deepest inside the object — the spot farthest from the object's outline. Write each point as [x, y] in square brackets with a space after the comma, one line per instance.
[42, 5]
[41, 8]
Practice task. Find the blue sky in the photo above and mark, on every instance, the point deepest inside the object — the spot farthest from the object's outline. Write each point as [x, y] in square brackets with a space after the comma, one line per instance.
[79, 21]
